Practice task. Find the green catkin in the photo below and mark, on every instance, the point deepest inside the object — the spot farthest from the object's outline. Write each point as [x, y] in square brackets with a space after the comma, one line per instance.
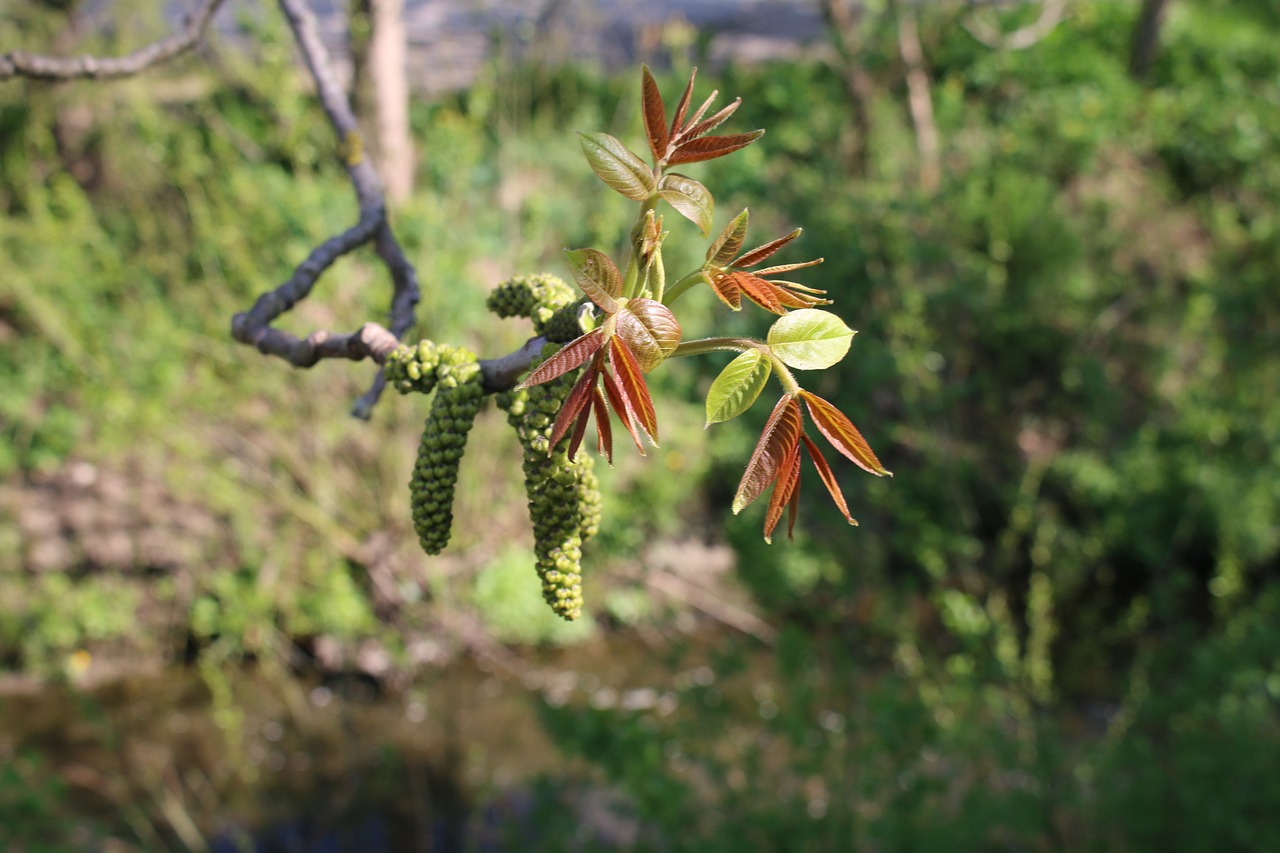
[459, 394]
[551, 304]
[412, 369]
[564, 496]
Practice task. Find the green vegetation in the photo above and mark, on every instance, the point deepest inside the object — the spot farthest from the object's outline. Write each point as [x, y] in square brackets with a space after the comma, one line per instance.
[1056, 627]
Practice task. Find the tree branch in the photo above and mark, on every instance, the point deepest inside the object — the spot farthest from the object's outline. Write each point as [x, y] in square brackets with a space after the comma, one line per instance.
[37, 67]
[1051, 14]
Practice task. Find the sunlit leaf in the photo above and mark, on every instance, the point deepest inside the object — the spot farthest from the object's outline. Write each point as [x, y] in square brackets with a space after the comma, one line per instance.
[828, 478]
[617, 166]
[725, 288]
[655, 115]
[715, 121]
[650, 331]
[678, 118]
[691, 199]
[842, 434]
[738, 386]
[571, 355]
[727, 245]
[633, 389]
[604, 429]
[781, 433]
[573, 405]
[711, 147]
[784, 491]
[759, 291]
[762, 253]
[598, 277]
[623, 407]
[810, 339]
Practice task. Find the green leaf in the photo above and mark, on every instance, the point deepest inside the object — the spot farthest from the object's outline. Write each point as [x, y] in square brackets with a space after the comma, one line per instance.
[726, 246]
[738, 386]
[810, 339]
[691, 200]
[617, 166]
[598, 277]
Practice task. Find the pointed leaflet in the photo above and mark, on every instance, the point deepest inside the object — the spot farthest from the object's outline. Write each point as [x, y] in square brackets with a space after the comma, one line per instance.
[724, 287]
[632, 387]
[691, 199]
[604, 429]
[617, 166]
[598, 277]
[623, 407]
[650, 331]
[729, 241]
[655, 115]
[842, 434]
[715, 121]
[759, 291]
[737, 386]
[781, 434]
[810, 339]
[573, 406]
[711, 147]
[828, 478]
[762, 253]
[579, 430]
[571, 355]
[785, 492]
[684, 104]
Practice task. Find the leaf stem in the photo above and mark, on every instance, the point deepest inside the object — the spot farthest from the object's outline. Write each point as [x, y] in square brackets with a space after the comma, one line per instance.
[678, 289]
[706, 345]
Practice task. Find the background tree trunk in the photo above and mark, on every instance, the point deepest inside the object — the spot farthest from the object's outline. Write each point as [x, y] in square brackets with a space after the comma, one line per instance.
[1146, 37]
[380, 89]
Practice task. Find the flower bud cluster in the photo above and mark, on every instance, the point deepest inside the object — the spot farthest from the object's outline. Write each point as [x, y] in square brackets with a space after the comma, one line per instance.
[539, 297]
[413, 368]
[564, 495]
[459, 394]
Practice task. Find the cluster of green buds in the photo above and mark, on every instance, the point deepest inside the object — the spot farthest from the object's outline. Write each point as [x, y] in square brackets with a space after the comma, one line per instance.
[412, 369]
[552, 305]
[564, 495]
[459, 393]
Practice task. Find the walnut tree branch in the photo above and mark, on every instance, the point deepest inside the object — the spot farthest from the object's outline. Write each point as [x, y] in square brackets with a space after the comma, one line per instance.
[372, 340]
[38, 67]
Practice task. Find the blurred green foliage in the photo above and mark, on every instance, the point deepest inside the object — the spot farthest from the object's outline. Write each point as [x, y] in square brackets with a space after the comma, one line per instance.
[1056, 626]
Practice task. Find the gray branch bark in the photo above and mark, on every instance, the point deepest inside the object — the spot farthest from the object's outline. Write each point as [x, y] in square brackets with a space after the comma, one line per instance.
[37, 67]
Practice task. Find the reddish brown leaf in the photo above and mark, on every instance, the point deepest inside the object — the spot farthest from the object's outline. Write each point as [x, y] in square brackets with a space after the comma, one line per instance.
[711, 147]
[632, 387]
[781, 268]
[579, 430]
[571, 355]
[784, 489]
[828, 477]
[715, 121]
[649, 330]
[678, 118]
[788, 295]
[795, 510]
[597, 275]
[573, 405]
[759, 291]
[655, 115]
[604, 429]
[726, 289]
[762, 253]
[697, 116]
[842, 434]
[623, 408]
[781, 433]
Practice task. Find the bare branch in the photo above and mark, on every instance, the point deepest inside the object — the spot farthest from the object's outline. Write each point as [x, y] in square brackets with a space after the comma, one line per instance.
[37, 67]
[372, 341]
[1051, 14]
